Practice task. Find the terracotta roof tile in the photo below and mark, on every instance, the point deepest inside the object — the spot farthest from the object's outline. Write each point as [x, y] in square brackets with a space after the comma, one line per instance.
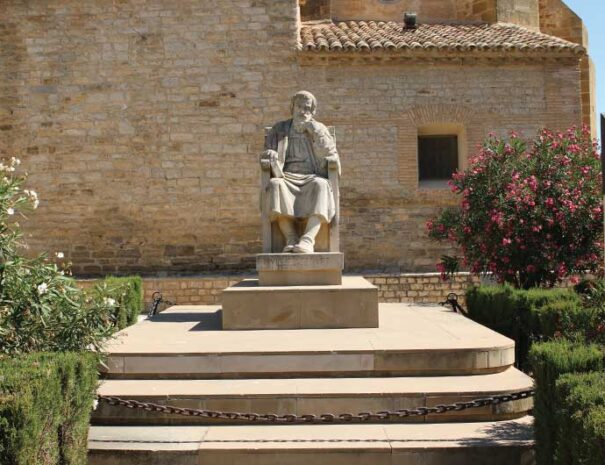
[370, 36]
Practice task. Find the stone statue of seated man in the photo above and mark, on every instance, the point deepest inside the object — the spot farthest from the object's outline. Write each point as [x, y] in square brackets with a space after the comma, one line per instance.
[300, 150]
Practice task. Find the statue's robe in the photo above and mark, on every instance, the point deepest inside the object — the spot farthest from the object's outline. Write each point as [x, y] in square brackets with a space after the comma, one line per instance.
[299, 187]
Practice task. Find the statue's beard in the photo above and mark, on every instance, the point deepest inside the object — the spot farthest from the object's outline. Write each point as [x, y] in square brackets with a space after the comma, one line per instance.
[299, 124]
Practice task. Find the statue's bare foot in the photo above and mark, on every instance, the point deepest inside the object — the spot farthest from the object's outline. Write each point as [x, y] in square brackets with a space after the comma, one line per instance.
[304, 246]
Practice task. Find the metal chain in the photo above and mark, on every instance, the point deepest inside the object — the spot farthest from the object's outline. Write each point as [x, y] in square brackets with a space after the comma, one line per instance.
[323, 418]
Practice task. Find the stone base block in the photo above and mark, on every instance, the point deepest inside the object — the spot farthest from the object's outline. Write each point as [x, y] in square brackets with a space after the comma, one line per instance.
[289, 269]
[353, 304]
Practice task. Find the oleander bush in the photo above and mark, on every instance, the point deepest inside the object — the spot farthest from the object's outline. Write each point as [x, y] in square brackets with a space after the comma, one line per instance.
[41, 308]
[530, 214]
[51, 334]
[580, 419]
[549, 361]
[45, 405]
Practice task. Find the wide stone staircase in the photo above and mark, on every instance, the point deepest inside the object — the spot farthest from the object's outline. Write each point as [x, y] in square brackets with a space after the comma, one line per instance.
[417, 356]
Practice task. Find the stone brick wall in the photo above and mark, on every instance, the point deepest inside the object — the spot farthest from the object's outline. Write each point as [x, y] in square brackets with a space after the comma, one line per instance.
[523, 12]
[427, 10]
[141, 122]
[421, 288]
[406, 287]
[315, 9]
[477, 10]
[557, 19]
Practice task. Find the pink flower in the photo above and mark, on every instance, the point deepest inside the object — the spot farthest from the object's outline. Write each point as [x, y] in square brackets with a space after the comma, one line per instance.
[561, 270]
[429, 225]
[531, 268]
[506, 241]
[549, 202]
[440, 267]
[574, 280]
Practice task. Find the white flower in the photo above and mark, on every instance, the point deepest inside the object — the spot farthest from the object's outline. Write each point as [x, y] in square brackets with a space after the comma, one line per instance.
[15, 161]
[95, 404]
[36, 203]
[10, 211]
[60, 255]
[42, 288]
[109, 301]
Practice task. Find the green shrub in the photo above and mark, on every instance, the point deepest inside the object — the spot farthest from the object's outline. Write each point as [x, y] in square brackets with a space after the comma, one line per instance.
[525, 315]
[580, 438]
[593, 428]
[45, 404]
[550, 360]
[127, 295]
[494, 307]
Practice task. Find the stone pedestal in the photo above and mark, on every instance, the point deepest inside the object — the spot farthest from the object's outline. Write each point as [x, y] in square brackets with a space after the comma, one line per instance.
[287, 269]
[352, 304]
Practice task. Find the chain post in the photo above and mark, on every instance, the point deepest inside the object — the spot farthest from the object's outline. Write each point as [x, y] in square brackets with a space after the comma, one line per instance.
[452, 300]
[155, 304]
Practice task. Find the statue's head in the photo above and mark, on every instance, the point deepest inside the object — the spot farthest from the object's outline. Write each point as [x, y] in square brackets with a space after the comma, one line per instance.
[303, 106]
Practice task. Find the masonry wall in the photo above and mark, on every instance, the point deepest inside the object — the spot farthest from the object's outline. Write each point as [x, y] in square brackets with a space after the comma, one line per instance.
[425, 288]
[141, 123]
[557, 19]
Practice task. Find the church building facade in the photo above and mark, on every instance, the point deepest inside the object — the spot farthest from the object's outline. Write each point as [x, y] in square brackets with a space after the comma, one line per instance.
[140, 122]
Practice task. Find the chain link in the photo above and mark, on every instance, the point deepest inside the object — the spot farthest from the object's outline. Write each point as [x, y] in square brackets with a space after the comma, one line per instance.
[361, 417]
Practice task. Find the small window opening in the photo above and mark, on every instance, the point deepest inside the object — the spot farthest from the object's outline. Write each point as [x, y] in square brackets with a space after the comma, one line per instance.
[437, 159]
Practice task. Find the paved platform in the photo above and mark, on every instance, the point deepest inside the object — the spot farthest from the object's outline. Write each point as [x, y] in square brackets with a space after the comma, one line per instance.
[188, 342]
[482, 443]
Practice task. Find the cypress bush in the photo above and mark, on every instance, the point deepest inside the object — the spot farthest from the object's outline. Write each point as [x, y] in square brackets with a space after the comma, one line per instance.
[580, 400]
[526, 315]
[494, 307]
[550, 360]
[593, 427]
[127, 294]
[45, 404]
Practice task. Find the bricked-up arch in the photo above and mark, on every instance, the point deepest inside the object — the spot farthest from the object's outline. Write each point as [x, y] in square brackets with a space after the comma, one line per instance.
[438, 119]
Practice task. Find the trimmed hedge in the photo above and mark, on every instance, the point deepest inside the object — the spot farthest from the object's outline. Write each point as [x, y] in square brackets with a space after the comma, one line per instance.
[550, 360]
[581, 418]
[526, 315]
[45, 404]
[128, 294]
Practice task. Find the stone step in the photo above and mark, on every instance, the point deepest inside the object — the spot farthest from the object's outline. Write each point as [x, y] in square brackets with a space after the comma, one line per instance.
[315, 396]
[188, 342]
[494, 443]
